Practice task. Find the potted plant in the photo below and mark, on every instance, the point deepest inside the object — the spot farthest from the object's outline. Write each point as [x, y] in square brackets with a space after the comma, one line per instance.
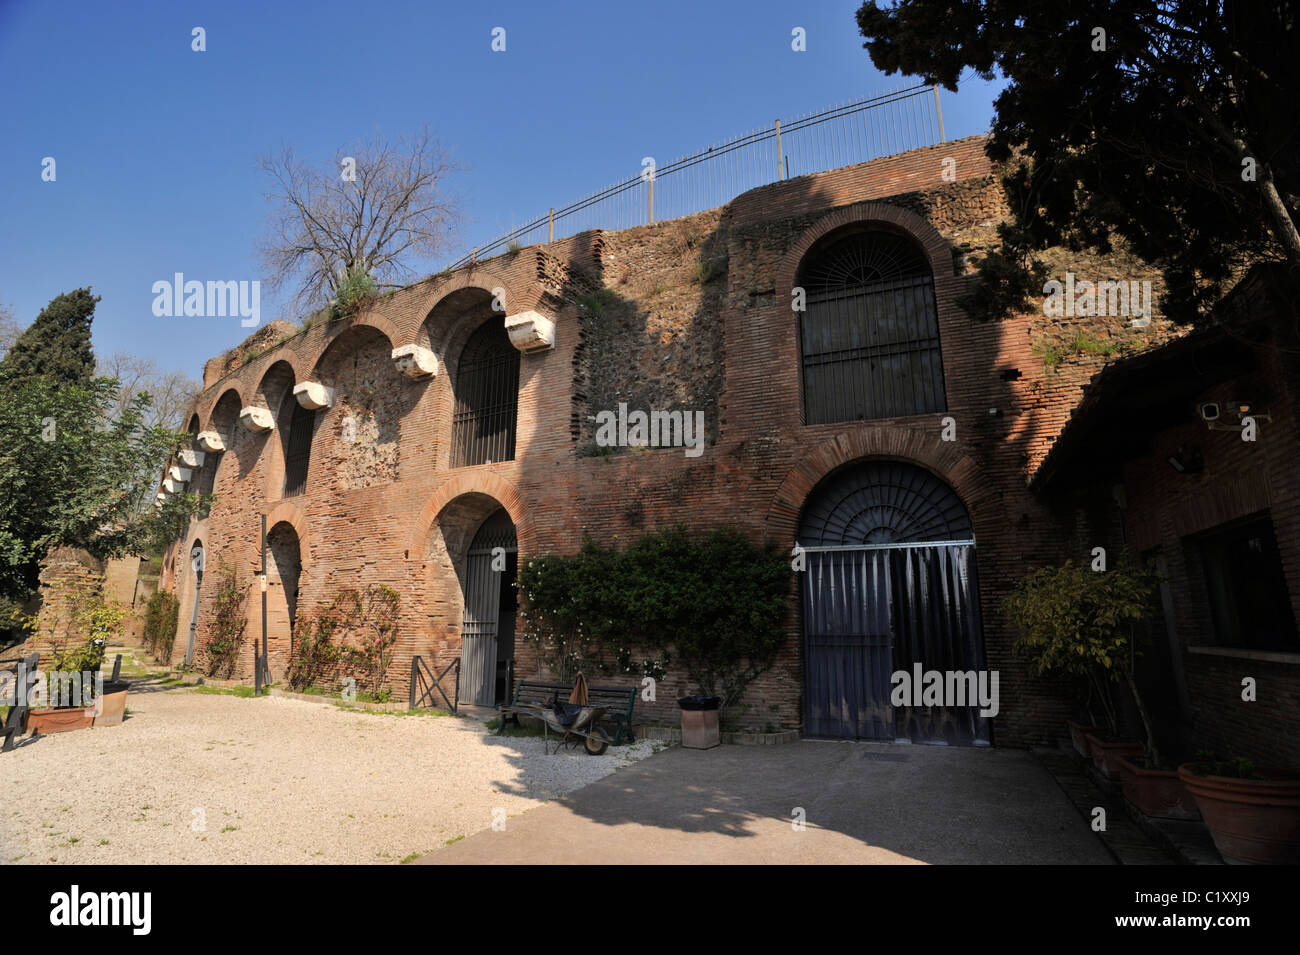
[1252, 814]
[700, 727]
[1077, 622]
[71, 690]
[1158, 793]
[1079, 736]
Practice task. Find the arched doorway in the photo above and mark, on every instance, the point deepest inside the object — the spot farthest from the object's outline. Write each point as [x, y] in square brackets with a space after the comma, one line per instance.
[488, 628]
[890, 583]
[283, 573]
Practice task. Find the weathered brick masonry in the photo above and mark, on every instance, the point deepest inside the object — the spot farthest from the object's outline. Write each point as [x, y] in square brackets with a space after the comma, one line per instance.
[690, 314]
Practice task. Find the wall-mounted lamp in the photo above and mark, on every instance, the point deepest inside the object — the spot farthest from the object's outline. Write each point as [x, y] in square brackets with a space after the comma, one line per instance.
[1187, 460]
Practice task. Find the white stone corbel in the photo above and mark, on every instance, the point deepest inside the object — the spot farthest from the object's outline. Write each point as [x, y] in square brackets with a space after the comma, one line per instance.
[256, 419]
[178, 473]
[211, 442]
[415, 361]
[190, 458]
[313, 396]
[530, 331]
[170, 486]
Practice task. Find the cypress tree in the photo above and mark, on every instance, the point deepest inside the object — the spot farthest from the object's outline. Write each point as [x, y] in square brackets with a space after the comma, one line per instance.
[57, 345]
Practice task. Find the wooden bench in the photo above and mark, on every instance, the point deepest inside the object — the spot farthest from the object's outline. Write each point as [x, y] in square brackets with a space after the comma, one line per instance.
[17, 715]
[618, 700]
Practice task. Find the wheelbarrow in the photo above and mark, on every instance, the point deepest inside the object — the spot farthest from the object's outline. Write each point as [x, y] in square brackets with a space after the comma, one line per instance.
[573, 723]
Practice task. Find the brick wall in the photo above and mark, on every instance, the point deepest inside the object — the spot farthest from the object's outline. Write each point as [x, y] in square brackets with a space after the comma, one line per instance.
[690, 313]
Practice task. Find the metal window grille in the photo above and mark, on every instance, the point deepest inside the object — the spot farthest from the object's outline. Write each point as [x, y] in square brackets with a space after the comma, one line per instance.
[869, 337]
[883, 503]
[487, 398]
[297, 451]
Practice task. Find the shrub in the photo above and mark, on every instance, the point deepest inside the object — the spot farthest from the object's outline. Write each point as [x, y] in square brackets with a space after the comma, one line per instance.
[357, 630]
[718, 602]
[226, 634]
[355, 291]
[1078, 623]
[161, 614]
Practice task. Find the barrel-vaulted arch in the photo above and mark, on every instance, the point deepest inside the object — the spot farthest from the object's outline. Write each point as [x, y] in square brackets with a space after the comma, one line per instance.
[485, 483]
[359, 436]
[445, 314]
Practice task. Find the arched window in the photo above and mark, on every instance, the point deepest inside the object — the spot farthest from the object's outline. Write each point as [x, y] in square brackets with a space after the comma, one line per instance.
[297, 447]
[869, 337]
[487, 398]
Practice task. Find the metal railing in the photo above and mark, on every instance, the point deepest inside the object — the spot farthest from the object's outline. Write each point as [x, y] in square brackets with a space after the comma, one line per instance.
[889, 123]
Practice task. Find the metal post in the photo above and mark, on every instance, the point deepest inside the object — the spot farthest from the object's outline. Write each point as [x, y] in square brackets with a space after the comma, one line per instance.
[780, 158]
[260, 660]
[415, 669]
[550, 226]
[938, 110]
[652, 199]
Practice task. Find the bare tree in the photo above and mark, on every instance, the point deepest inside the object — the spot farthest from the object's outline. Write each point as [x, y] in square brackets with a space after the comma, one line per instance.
[171, 391]
[377, 210]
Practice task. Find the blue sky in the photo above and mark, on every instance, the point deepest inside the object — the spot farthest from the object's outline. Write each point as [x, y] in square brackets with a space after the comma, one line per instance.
[156, 145]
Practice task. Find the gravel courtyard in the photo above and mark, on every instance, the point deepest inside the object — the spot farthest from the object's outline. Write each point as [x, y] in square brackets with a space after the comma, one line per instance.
[272, 780]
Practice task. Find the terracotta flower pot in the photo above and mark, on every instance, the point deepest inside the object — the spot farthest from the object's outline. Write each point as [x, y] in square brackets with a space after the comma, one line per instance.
[1078, 736]
[49, 719]
[1105, 754]
[113, 707]
[1158, 793]
[700, 729]
[1251, 820]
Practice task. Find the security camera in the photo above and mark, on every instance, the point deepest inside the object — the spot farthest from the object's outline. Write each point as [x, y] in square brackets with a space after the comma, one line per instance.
[1209, 411]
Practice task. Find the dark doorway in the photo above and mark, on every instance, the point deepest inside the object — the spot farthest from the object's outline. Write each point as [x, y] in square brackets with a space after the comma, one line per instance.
[488, 633]
[890, 583]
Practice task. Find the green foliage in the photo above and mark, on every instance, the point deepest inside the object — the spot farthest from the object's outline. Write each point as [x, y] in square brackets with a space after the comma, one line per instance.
[15, 623]
[57, 345]
[598, 302]
[229, 621]
[99, 618]
[717, 602]
[1235, 767]
[1076, 622]
[357, 631]
[1168, 137]
[515, 247]
[1080, 343]
[73, 474]
[161, 526]
[356, 289]
[161, 615]
[315, 654]
[86, 657]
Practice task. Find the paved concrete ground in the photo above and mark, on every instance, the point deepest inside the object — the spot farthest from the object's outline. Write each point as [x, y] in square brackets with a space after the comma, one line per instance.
[864, 803]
